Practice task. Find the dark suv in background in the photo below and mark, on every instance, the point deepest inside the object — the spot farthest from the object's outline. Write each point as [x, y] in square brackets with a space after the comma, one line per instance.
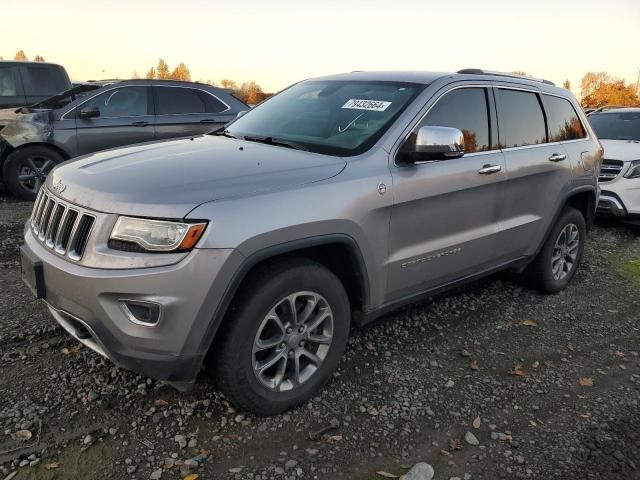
[26, 83]
[75, 123]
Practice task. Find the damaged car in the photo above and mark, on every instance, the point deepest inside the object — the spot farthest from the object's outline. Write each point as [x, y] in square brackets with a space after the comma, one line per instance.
[92, 117]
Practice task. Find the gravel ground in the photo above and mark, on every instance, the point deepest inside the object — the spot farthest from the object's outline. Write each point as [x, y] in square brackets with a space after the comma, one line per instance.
[490, 381]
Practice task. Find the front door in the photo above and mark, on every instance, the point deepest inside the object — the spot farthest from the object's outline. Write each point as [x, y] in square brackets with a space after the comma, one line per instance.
[443, 222]
[125, 119]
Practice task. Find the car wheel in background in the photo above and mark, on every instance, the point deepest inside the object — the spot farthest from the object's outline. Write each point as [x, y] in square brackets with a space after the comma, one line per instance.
[26, 169]
[284, 337]
[557, 262]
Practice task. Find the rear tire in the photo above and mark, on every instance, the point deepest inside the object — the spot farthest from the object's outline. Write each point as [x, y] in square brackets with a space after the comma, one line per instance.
[26, 169]
[557, 262]
[260, 328]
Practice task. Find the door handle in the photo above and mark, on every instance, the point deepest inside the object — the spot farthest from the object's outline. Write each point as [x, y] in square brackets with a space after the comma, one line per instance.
[489, 169]
[557, 157]
[140, 124]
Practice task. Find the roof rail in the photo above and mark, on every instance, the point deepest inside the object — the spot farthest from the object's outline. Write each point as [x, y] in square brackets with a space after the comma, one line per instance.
[479, 71]
[607, 107]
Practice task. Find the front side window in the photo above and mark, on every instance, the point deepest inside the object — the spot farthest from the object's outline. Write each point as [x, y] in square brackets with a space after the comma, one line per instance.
[120, 102]
[562, 119]
[464, 109]
[333, 117]
[7, 82]
[521, 119]
[616, 125]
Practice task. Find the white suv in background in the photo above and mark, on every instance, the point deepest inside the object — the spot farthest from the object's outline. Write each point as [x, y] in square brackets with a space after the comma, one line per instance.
[619, 132]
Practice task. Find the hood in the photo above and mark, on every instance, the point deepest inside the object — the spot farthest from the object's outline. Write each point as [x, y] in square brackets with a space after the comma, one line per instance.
[168, 179]
[7, 114]
[624, 150]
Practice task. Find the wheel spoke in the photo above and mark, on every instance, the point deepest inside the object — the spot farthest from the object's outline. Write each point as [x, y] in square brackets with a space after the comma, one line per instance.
[32, 164]
[279, 377]
[46, 165]
[311, 356]
[319, 339]
[270, 362]
[24, 178]
[296, 369]
[323, 314]
[291, 301]
[308, 309]
[38, 184]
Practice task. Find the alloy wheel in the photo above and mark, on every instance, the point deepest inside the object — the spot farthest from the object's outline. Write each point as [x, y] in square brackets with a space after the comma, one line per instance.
[565, 252]
[33, 171]
[292, 341]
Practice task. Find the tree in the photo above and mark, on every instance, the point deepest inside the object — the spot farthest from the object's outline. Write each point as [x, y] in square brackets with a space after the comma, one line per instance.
[181, 72]
[522, 73]
[20, 56]
[600, 89]
[38, 58]
[566, 84]
[251, 93]
[226, 83]
[135, 75]
[162, 70]
[151, 74]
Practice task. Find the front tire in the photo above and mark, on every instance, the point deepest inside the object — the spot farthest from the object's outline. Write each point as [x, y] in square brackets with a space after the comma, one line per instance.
[283, 337]
[557, 262]
[26, 169]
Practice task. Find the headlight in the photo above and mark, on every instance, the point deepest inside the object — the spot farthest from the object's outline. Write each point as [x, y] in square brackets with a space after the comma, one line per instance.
[154, 235]
[634, 170]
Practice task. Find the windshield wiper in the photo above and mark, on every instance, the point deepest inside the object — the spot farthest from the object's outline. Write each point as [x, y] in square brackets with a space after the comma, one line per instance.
[276, 141]
[223, 133]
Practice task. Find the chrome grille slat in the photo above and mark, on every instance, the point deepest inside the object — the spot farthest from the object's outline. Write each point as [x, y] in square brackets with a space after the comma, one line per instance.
[61, 226]
[610, 169]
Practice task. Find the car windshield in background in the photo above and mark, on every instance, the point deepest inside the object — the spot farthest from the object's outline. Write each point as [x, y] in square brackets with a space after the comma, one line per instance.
[331, 117]
[63, 98]
[616, 126]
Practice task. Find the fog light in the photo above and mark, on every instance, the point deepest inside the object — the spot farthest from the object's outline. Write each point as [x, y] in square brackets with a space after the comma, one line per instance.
[142, 313]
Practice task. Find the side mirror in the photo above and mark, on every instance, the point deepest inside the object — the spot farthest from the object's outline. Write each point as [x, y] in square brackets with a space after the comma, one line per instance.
[92, 112]
[433, 143]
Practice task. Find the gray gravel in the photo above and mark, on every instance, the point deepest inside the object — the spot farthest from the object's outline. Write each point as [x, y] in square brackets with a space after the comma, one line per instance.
[408, 391]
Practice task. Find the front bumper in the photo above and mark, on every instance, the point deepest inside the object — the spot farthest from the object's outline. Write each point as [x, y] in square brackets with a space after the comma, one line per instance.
[621, 198]
[87, 303]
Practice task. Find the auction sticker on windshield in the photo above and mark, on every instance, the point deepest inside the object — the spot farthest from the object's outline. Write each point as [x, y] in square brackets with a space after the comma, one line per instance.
[358, 104]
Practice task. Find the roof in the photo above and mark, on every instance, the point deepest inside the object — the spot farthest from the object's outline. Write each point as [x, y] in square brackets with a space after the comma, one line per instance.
[147, 81]
[29, 62]
[616, 110]
[429, 77]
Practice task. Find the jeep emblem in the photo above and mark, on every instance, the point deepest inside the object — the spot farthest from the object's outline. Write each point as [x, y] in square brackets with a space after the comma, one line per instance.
[59, 186]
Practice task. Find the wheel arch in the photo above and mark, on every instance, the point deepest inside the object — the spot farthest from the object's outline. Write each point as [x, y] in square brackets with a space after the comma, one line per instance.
[337, 252]
[9, 149]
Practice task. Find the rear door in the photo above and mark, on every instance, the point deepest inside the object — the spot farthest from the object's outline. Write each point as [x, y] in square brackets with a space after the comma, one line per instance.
[443, 222]
[538, 172]
[125, 118]
[43, 81]
[11, 91]
[183, 111]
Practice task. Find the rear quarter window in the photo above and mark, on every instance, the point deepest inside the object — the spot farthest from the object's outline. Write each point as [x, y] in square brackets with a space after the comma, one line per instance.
[521, 119]
[7, 82]
[562, 119]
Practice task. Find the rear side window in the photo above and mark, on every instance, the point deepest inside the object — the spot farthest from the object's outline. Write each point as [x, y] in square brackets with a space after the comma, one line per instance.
[464, 109]
[44, 80]
[562, 119]
[120, 102]
[211, 103]
[178, 100]
[521, 119]
[7, 82]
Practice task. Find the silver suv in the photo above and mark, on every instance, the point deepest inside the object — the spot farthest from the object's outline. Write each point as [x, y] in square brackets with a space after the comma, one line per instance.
[342, 197]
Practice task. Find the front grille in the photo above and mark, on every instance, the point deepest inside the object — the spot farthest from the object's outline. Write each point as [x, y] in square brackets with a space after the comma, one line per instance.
[60, 226]
[610, 169]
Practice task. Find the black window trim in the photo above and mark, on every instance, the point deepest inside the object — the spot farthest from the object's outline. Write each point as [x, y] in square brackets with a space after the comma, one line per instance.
[155, 100]
[150, 105]
[492, 119]
[544, 113]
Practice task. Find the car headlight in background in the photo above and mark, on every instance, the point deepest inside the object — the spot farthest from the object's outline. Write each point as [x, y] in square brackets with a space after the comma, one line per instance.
[634, 170]
[144, 235]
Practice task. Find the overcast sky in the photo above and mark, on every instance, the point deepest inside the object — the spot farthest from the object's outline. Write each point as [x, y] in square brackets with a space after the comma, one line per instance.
[279, 42]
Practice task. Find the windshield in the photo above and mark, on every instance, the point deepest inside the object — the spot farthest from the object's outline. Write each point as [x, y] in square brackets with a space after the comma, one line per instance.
[61, 99]
[616, 126]
[332, 117]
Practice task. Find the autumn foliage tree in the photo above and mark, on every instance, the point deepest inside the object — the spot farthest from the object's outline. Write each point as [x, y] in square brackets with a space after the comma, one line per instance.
[163, 72]
[600, 89]
[38, 58]
[20, 56]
